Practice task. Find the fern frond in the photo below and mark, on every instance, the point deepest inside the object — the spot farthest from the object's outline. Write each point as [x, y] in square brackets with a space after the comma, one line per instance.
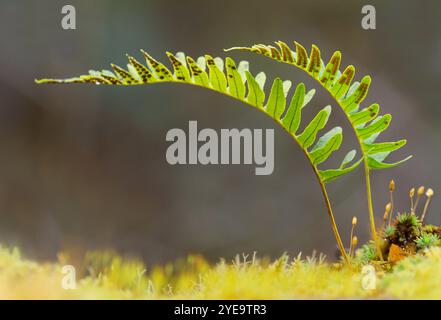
[367, 124]
[240, 84]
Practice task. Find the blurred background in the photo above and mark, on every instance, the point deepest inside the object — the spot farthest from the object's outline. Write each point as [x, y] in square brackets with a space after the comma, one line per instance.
[83, 167]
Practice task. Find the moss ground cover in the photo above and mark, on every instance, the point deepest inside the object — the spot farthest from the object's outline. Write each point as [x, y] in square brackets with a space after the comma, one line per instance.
[105, 275]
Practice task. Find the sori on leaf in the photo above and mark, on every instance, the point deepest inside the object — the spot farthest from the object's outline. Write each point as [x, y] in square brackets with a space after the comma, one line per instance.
[349, 94]
[236, 81]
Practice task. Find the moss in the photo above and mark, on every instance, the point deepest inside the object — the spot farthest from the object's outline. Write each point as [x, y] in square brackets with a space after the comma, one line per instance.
[389, 231]
[407, 229]
[416, 277]
[432, 229]
[247, 277]
[427, 240]
[366, 253]
[405, 236]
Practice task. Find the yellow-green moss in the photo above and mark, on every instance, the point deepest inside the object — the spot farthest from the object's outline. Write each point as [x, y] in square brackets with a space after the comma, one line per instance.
[104, 275]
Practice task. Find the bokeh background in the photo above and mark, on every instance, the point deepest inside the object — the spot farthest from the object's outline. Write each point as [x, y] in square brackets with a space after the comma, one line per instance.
[83, 167]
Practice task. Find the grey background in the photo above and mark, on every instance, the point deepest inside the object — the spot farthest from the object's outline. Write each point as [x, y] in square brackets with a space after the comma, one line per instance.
[84, 166]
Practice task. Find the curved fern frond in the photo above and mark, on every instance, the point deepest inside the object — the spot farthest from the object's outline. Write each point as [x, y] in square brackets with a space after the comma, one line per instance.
[367, 123]
[238, 82]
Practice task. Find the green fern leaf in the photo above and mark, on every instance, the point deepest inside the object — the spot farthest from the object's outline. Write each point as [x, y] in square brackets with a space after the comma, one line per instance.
[287, 55]
[301, 56]
[341, 87]
[332, 174]
[326, 145]
[375, 164]
[160, 71]
[331, 70]
[256, 96]
[181, 72]
[308, 136]
[377, 126]
[351, 102]
[235, 82]
[365, 115]
[276, 101]
[238, 83]
[124, 76]
[366, 123]
[384, 146]
[291, 121]
[314, 65]
[199, 76]
[217, 77]
[143, 73]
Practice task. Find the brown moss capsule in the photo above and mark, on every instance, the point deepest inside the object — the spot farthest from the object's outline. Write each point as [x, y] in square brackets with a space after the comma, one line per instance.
[387, 210]
[354, 241]
[392, 185]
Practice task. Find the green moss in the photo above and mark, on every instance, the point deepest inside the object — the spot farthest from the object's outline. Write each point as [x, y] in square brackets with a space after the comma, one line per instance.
[427, 240]
[389, 231]
[366, 253]
[247, 277]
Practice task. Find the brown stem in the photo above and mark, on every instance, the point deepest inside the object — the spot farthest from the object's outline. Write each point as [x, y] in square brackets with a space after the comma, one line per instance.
[331, 216]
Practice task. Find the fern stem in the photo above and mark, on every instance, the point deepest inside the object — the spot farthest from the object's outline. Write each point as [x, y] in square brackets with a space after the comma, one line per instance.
[331, 216]
[371, 209]
[367, 172]
[337, 236]
[367, 179]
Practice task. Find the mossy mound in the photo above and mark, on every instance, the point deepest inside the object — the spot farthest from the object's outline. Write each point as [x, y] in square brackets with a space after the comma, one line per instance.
[406, 236]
